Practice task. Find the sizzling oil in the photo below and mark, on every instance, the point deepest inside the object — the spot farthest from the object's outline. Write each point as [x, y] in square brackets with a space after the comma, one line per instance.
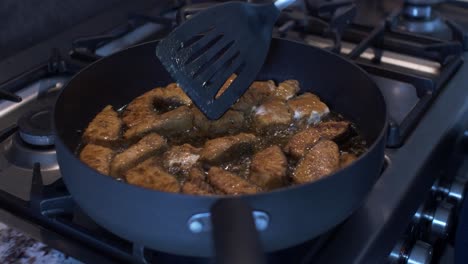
[353, 143]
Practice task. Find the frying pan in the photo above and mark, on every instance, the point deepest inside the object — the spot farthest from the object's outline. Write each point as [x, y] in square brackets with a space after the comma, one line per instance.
[165, 221]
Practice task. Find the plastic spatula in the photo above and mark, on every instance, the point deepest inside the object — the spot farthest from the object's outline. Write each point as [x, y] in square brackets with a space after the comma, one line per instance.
[203, 52]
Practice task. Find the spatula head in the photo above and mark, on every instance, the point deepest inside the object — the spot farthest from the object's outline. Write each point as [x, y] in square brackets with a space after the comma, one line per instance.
[202, 53]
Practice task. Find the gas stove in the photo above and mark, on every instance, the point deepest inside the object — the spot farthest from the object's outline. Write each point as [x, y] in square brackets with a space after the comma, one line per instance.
[414, 50]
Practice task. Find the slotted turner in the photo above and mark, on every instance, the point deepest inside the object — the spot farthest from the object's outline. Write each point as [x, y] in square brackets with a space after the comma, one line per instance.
[203, 52]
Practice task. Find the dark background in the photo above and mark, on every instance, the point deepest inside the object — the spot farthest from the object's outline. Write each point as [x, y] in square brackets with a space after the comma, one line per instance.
[23, 23]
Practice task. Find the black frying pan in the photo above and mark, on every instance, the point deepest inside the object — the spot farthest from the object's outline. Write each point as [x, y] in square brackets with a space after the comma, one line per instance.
[162, 221]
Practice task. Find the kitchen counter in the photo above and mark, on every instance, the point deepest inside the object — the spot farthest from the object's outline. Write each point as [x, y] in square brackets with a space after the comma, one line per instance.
[16, 247]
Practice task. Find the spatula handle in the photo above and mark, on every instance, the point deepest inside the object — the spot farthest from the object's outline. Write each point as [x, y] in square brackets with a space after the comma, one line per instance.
[282, 4]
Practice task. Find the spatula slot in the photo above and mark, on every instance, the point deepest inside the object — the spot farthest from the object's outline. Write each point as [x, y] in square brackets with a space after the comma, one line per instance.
[220, 70]
[199, 50]
[190, 42]
[237, 72]
[213, 59]
[194, 38]
[221, 91]
[222, 62]
[206, 31]
[220, 77]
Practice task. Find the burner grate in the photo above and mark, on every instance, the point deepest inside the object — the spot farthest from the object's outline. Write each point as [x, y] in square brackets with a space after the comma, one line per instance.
[370, 46]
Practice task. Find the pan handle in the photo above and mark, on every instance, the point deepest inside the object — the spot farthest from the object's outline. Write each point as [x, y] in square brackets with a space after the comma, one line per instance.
[235, 237]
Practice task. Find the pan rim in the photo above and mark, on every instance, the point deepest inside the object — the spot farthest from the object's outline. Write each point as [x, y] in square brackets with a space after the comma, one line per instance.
[337, 173]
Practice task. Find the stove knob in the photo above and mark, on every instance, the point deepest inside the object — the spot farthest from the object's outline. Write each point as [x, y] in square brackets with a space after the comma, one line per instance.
[422, 2]
[421, 253]
[454, 192]
[403, 253]
[437, 221]
[441, 221]
[398, 254]
[419, 215]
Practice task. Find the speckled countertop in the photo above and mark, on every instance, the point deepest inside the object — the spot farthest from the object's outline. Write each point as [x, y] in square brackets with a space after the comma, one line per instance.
[18, 248]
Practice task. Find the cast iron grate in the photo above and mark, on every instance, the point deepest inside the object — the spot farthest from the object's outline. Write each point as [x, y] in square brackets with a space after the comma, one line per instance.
[84, 49]
[297, 25]
[56, 65]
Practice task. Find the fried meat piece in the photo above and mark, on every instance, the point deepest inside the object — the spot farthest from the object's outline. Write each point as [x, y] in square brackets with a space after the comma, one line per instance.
[272, 116]
[346, 159]
[218, 150]
[140, 108]
[196, 175]
[268, 168]
[287, 89]
[174, 95]
[104, 129]
[229, 183]
[333, 130]
[196, 183]
[254, 96]
[173, 122]
[179, 159]
[307, 138]
[155, 101]
[149, 174]
[320, 161]
[149, 145]
[230, 123]
[97, 157]
[308, 108]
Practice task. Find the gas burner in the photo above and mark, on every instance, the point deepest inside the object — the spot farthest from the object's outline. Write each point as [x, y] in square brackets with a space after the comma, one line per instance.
[35, 127]
[418, 16]
[25, 155]
[34, 142]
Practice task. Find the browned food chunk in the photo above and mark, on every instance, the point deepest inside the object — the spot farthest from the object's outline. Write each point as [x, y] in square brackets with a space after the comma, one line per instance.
[97, 157]
[173, 122]
[104, 129]
[150, 145]
[230, 123]
[140, 108]
[254, 96]
[179, 159]
[321, 160]
[333, 130]
[196, 183]
[308, 108]
[229, 183]
[154, 101]
[196, 175]
[148, 174]
[287, 89]
[346, 159]
[307, 138]
[173, 95]
[223, 149]
[301, 142]
[268, 168]
[271, 116]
